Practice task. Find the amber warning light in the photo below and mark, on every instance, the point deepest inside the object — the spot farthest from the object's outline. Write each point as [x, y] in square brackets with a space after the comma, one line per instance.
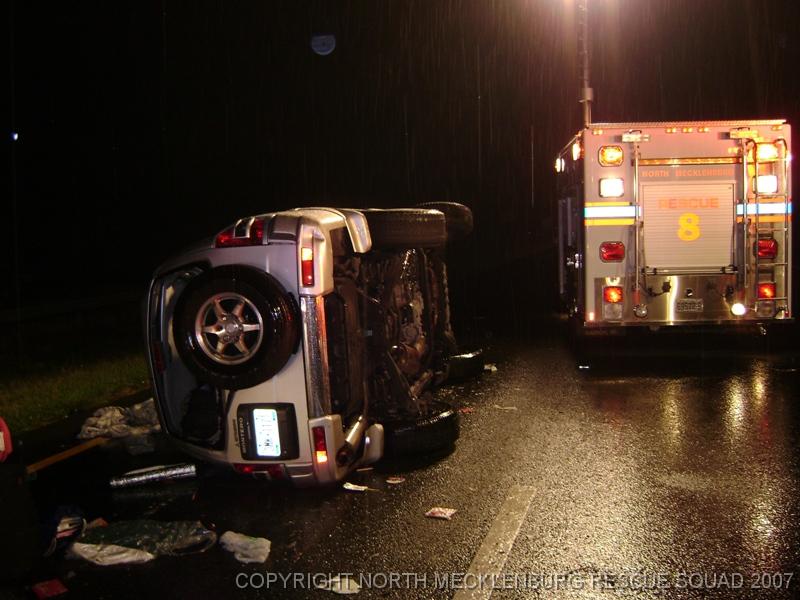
[766, 291]
[612, 294]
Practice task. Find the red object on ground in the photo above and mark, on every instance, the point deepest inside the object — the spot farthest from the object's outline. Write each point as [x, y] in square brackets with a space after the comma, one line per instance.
[49, 589]
[5, 442]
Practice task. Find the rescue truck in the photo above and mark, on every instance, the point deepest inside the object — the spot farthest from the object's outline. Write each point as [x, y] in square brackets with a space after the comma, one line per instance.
[676, 223]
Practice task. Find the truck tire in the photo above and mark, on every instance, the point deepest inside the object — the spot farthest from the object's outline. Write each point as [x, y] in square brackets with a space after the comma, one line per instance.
[235, 326]
[435, 431]
[458, 218]
[406, 228]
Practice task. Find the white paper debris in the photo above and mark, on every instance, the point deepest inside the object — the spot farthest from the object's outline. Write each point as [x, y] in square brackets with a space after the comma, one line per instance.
[395, 480]
[340, 584]
[353, 487]
[437, 512]
[109, 554]
[498, 407]
[491, 367]
[246, 549]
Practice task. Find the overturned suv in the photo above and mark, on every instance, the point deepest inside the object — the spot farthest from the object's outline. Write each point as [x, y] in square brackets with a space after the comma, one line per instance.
[305, 343]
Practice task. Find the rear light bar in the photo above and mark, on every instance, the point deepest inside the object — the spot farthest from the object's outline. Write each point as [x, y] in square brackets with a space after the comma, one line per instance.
[612, 251]
[766, 291]
[612, 294]
[320, 445]
[766, 248]
[241, 234]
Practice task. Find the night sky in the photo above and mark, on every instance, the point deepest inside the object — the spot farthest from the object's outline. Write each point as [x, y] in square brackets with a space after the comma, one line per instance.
[146, 125]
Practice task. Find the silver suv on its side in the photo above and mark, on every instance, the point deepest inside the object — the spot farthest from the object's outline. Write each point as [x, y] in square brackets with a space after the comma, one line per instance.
[302, 344]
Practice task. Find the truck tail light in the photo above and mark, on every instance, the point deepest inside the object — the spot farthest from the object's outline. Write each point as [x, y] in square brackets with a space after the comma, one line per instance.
[766, 184]
[612, 294]
[320, 445]
[307, 266]
[246, 232]
[610, 156]
[766, 152]
[612, 251]
[767, 248]
[766, 290]
[611, 187]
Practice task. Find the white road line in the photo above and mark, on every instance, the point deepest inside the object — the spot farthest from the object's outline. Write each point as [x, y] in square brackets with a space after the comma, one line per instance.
[492, 555]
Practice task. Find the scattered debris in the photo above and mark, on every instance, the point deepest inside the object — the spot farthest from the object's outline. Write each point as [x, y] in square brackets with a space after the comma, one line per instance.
[363, 469]
[60, 527]
[154, 474]
[98, 522]
[395, 480]
[48, 589]
[466, 410]
[105, 555]
[437, 512]
[119, 422]
[498, 407]
[490, 367]
[5, 441]
[246, 549]
[352, 487]
[142, 540]
[339, 584]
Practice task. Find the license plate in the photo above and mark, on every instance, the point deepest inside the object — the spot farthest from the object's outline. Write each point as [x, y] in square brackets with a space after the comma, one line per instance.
[692, 305]
[268, 439]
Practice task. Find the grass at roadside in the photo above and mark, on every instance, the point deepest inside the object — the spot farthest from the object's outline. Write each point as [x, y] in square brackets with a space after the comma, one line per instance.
[30, 401]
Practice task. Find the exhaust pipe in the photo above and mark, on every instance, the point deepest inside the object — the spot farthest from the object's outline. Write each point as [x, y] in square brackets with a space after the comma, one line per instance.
[352, 440]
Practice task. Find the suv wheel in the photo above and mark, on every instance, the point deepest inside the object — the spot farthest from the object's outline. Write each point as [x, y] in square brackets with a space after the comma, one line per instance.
[406, 228]
[458, 218]
[235, 326]
[436, 430]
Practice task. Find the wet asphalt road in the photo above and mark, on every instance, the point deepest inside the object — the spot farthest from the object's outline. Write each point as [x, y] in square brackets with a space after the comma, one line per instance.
[642, 477]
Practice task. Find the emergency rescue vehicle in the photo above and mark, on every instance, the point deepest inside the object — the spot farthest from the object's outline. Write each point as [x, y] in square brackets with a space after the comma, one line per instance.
[677, 223]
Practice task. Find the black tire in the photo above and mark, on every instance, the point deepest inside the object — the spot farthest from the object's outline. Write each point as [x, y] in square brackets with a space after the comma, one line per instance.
[458, 218]
[265, 303]
[436, 431]
[465, 366]
[406, 228]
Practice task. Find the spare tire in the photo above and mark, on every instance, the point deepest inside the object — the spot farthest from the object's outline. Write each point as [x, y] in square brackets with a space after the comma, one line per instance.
[458, 218]
[235, 326]
[405, 228]
[437, 430]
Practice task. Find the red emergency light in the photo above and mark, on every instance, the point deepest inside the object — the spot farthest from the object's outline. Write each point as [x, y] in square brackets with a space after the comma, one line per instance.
[612, 251]
[767, 248]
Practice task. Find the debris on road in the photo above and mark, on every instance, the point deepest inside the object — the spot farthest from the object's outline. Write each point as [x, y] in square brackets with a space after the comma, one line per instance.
[48, 589]
[498, 407]
[437, 512]
[395, 480]
[246, 549]
[154, 474]
[340, 584]
[490, 367]
[120, 422]
[466, 410]
[142, 540]
[353, 487]
[61, 527]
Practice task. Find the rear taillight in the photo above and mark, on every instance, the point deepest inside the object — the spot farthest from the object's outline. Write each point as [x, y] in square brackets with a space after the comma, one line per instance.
[612, 294]
[611, 187]
[320, 445]
[612, 251]
[307, 266]
[766, 291]
[241, 234]
[274, 471]
[767, 248]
